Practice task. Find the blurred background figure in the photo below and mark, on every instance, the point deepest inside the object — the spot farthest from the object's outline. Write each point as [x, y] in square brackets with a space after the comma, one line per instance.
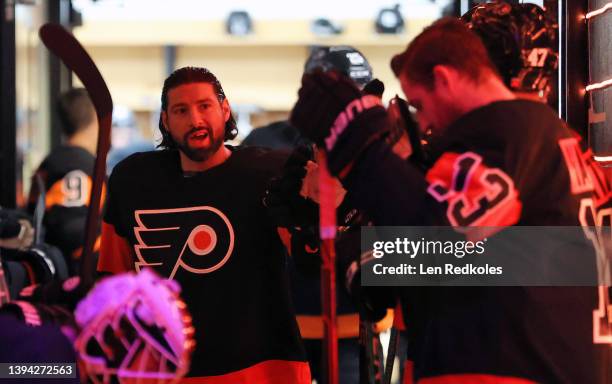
[126, 137]
[521, 40]
[344, 59]
[292, 200]
[66, 175]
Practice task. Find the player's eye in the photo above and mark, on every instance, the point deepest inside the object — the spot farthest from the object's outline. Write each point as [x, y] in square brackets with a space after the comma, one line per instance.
[179, 110]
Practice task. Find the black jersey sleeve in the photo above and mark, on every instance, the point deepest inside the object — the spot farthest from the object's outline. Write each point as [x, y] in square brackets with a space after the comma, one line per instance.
[404, 199]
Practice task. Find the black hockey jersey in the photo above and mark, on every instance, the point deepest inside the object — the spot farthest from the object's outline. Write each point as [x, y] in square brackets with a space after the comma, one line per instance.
[507, 163]
[67, 177]
[211, 233]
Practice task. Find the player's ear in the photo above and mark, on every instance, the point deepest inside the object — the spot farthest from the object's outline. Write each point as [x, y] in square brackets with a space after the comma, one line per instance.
[225, 107]
[442, 76]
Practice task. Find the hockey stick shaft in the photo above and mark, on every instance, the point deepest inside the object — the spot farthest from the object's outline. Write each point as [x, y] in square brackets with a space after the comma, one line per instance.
[5, 296]
[391, 353]
[67, 48]
[327, 217]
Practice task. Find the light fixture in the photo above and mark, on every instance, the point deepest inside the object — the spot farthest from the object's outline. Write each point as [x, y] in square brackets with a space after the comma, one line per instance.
[390, 21]
[325, 27]
[239, 23]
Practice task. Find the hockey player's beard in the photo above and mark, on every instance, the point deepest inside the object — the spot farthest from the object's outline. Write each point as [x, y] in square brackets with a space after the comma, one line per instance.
[200, 154]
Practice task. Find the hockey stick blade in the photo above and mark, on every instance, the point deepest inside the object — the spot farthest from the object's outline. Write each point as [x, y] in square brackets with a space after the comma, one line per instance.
[68, 49]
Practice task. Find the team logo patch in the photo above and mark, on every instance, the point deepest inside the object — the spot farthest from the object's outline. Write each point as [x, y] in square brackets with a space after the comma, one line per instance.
[197, 239]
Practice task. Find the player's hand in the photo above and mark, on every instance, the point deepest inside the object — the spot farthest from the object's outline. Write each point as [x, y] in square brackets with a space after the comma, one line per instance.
[374, 87]
[332, 112]
[310, 185]
[24, 238]
[287, 206]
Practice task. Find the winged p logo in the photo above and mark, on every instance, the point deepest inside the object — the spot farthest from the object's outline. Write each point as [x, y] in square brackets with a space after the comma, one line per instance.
[197, 239]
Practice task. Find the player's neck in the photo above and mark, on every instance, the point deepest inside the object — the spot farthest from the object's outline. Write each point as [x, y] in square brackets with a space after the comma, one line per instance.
[217, 158]
[488, 91]
[86, 138]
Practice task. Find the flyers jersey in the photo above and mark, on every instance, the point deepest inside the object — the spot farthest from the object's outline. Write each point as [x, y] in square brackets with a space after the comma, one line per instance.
[507, 163]
[67, 176]
[210, 232]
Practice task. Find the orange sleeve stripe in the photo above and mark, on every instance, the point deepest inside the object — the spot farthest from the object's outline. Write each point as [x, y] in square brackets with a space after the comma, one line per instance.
[116, 254]
[269, 372]
[311, 326]
[57, 195]
[398, 320]
[76, 254]
[386, 322]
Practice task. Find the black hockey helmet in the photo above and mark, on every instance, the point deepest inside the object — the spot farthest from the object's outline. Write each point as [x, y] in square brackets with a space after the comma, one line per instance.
[521, 40]
[344, 59]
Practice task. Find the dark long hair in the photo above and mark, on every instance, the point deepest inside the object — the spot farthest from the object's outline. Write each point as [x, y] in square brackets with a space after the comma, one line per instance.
[189, 75]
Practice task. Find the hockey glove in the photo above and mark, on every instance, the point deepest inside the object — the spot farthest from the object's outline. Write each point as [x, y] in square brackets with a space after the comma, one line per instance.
[287, 207]
[332, 112]
[15, 232]
[374, 87]
[61, 292]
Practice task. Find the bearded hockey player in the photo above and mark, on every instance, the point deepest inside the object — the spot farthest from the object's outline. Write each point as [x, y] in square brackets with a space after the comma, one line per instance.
[193, 212]
[480, 334]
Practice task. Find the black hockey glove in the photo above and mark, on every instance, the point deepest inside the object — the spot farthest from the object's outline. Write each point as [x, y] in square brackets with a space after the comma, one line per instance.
[332, 112]
[37, 314]
[16, 230]
[374, 87]
[66, 293]
[40, 268]
[285, 205]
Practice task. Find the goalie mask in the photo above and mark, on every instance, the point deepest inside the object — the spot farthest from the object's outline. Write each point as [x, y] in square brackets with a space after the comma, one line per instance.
[521, 41]
[134, 328]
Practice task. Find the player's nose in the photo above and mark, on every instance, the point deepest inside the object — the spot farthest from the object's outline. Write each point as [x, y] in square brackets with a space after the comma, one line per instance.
[196, 116]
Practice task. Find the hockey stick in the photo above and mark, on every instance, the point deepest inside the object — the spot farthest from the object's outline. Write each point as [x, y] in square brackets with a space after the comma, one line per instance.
[5, 295]
[327, 217]
[400, 115]
[391, 353]
[370, 362]
[67, 48]
[39, 210]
